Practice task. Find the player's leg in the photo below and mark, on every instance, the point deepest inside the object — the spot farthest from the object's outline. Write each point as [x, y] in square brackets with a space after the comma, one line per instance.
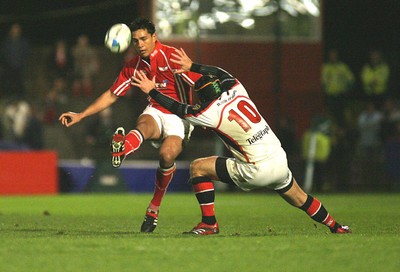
[123, 145]
[169, 150]
[202, 172]
[174, 130]
[147, 127]
[294, 195]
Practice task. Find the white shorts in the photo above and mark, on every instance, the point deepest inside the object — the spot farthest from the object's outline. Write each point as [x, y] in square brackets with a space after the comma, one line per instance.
[169, 125]
[272, 173]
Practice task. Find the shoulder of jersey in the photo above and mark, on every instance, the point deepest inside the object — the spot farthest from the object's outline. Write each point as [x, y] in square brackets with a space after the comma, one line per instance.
[168, 49]
[132, 62]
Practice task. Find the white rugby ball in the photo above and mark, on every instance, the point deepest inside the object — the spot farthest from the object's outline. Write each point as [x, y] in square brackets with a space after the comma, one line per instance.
[118, 38]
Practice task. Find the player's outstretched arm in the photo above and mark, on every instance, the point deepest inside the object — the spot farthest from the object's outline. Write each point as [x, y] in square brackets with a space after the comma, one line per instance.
[149, 87]
[70, 118]
[103, 101]
[180, 58]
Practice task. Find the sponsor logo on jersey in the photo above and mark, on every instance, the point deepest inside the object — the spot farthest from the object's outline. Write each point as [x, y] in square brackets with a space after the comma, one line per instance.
[231, 94]
[196, 107]
[163, 69]
[154, 53]
[162, 84]
[259, 135]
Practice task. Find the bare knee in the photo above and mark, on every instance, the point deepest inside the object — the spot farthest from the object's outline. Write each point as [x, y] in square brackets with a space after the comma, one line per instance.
[170, 149]
[167, 157]
[204, 167]
[195, 168]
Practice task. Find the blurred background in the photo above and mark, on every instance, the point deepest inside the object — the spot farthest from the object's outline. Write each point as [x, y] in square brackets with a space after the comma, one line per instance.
[324, 73]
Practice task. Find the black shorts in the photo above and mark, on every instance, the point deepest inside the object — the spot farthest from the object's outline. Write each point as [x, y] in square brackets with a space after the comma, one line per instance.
[222, 171]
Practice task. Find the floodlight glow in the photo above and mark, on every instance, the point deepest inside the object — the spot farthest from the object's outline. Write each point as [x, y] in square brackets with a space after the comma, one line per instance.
[222, 17]
[247, 23]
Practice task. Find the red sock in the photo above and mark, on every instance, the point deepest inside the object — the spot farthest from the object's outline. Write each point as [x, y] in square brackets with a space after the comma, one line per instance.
[132, 141]
[163, 179]
[205, 196]
[314, 208]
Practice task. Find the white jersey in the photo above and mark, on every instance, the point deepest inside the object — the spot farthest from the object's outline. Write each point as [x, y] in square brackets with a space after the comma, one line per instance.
[235, 118]
[259, 159]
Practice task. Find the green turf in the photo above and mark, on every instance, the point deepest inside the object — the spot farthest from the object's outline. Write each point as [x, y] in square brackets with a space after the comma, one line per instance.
[259, 232]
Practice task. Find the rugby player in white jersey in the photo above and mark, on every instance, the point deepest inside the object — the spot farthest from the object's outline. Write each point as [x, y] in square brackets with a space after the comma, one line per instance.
[258, 158]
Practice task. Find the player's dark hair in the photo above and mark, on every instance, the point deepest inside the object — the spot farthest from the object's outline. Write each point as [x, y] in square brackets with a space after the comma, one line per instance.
[207, 88]
[143, 23]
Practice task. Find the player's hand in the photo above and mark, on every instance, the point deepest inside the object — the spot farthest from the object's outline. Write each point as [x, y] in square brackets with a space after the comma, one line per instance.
[180, 57]
[70, 118]
[142, 82]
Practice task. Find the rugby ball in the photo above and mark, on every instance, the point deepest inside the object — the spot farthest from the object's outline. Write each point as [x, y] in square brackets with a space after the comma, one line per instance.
[118, 38]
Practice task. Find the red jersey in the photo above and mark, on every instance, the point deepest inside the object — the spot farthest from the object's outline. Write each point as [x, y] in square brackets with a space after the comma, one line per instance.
[176, 86]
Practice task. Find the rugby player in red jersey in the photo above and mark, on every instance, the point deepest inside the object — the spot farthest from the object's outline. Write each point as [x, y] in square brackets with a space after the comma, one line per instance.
[258, 157]
[155, 123]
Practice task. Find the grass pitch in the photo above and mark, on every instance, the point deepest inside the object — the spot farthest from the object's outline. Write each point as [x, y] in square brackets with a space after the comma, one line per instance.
[259, 232]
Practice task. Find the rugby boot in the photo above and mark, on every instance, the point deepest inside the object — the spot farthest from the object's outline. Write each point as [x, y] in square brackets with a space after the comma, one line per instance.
[341, 230]
[118, 147]
[150, 221]
[204, 229]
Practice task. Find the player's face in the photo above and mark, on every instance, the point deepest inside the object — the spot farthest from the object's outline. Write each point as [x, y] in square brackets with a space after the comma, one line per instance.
[144, 42]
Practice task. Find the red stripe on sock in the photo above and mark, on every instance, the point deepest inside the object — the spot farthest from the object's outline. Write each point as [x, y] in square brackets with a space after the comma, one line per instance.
[314, 207]
[204, 186]
[207, 209]
[167, 172]
[117, 154]
[329, 221]
[206, 203]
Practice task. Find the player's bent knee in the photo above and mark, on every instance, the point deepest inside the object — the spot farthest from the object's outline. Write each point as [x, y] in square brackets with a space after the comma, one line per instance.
[195, 167]
[167, 159]
[194, 164]
[168, 155]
